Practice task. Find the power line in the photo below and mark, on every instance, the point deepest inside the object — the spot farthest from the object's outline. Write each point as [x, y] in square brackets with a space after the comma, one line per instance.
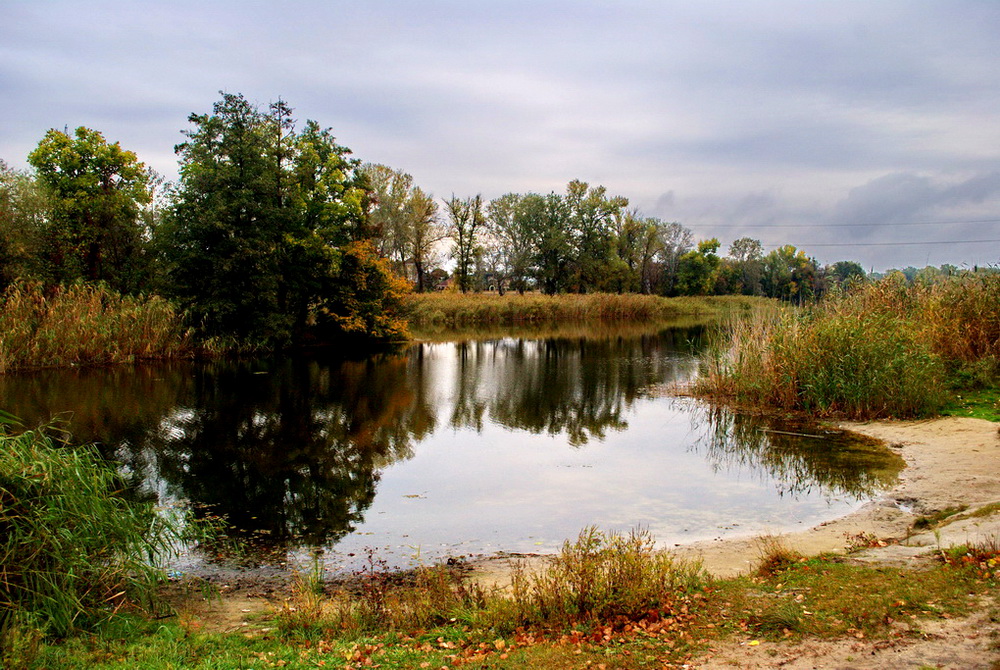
[890, 244]
[838, 225]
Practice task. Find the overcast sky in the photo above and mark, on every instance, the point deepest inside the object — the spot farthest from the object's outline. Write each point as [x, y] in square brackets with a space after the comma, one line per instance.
[789, 122]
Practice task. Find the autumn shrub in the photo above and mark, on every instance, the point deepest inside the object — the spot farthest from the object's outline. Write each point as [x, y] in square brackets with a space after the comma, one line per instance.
[603, 576]
[82, 324]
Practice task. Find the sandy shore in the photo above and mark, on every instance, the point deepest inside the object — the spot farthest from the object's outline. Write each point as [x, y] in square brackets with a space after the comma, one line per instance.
[949, 462]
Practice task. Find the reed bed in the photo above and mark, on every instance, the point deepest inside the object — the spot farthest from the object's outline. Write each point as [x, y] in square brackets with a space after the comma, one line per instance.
[457, 309]
[84, 325]
[883, 349]
[73, 551]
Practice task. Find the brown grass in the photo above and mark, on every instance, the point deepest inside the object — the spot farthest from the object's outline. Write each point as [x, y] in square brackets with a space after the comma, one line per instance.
[84, 325]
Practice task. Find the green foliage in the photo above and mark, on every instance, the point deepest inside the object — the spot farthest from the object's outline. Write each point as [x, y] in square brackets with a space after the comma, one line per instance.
[73, 550]
[24, 207]
[260, 211]
[97, 192]
[84, 325]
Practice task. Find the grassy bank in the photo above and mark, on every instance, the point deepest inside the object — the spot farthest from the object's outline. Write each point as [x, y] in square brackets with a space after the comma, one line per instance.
[458, 309]
[883, 349]
[606, 602]
[84, 325]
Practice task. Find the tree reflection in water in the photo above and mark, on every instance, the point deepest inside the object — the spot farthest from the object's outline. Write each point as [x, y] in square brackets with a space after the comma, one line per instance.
[291, 450]
[799, 457]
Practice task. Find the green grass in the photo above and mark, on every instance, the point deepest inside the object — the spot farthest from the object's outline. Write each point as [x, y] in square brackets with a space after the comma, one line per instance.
[74, 553]
[981, 403]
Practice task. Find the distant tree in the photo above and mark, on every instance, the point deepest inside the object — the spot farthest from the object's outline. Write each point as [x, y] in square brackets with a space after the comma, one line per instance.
[747, 254]
[791, 275]
[97, 191]
[675, 240]
[404, 221]
[696, 272]
[590, 218]
[512, 240]
[467, 222]
[545, 217]
[842, 272]
[24, 214]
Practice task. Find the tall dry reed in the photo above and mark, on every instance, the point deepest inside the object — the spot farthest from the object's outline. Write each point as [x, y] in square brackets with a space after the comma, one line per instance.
[457, 309]
[883, 349]
[84, 325]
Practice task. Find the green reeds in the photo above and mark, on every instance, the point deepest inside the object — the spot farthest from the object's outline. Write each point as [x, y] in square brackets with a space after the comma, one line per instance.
[884, 349]
[73, 551]
[84, 325]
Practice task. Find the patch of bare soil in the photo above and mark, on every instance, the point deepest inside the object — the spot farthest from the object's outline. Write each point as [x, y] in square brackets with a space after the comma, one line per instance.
[959, 644]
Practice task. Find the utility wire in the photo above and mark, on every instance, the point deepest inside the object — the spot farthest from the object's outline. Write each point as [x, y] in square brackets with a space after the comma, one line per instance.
[839, 225]
[890, 244]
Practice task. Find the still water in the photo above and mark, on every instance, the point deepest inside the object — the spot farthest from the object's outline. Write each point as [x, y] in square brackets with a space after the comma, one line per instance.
[451, 448]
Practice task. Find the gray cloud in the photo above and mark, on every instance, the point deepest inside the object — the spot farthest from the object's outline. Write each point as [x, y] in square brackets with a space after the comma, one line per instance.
[751, 114]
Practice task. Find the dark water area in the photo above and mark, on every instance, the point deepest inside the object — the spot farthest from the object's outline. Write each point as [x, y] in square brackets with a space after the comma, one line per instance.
[451, 448]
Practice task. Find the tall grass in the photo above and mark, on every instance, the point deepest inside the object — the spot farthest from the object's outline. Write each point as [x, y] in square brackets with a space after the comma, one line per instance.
[599, 578]
[457, 309]
[882, 349]
[84, 325]
[73, 550]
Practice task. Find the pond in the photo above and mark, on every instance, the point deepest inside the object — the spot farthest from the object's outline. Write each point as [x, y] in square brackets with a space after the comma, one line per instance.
[454, 448]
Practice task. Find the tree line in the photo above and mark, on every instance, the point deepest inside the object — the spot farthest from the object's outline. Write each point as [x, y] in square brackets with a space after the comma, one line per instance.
[275, 233]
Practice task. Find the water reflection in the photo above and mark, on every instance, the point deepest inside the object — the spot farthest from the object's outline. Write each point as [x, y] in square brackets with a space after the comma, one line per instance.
[516, 440]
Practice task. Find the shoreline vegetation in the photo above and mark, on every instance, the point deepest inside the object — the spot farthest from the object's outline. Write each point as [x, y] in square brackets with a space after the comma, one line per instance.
[882, 349]
[452, 309]
[81, 324]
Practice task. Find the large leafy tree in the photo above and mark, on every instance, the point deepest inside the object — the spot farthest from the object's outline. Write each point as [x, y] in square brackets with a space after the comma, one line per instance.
[98, 191]
[260, 214]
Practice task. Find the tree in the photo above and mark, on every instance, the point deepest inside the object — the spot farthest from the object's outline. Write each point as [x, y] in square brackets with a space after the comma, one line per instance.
[676, 240]
[259, 219]
[545, 217]
[845, 271]
[747, 254]
[404, 221]
[466, 227]
[97, 192]
[24, 213]
[696, 271]
[590, 216]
